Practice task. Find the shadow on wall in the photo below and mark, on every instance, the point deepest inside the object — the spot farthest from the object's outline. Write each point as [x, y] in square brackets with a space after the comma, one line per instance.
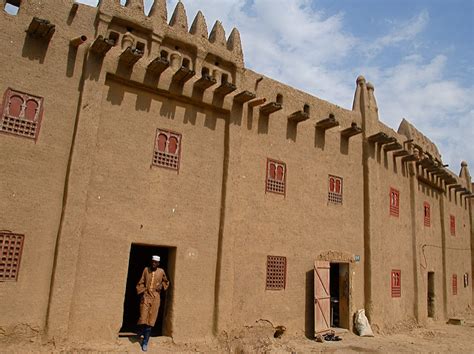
[309, 305]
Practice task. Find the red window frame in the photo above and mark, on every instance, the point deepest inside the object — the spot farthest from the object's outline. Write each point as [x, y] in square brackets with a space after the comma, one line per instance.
[21, 119]
[452, 225]
[394, 202]
[396, 283]
[335, 185]
[11, 249]
[427, 214]
[275, 180]
[276, 273]
[167, 149]
[455, 284]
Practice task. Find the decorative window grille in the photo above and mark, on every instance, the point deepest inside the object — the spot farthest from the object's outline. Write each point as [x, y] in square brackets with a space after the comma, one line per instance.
[21, 114]
[335, 190]
[276, 273]
[167, 149]
[452, 225]
[455, 284]
[276, 177]
[394, 202]
[396, 281]
[426, 211]
[11, 246]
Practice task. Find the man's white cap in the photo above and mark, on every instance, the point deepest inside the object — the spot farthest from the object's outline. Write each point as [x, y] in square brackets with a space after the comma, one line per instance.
[155, 258]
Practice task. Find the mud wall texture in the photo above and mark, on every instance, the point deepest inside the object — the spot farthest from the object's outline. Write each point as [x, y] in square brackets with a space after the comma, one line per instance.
[122, 93]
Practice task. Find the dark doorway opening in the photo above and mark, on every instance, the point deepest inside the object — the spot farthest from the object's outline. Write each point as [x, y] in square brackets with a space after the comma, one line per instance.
[140, 257]
[339, 290]
[431, 295]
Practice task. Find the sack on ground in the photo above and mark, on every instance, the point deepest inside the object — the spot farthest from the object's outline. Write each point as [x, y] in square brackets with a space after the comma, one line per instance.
[361, 323]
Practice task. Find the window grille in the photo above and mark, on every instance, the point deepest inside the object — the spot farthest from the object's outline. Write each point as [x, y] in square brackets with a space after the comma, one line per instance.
[335, 190]
[452, 225]
[276, 177]
[21, 114]
[276, 273]
[396, 281]
[426, 211]
[11, 246]
[394, 202]
[167, 149]
[455, 284]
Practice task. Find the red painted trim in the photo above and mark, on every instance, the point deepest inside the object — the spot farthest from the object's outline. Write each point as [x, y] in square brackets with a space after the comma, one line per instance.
[155, 148]
[285, 173]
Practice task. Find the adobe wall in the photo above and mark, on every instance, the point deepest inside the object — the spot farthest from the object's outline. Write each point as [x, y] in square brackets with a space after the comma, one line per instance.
[33, 173]
[88, 191]
[300, 225]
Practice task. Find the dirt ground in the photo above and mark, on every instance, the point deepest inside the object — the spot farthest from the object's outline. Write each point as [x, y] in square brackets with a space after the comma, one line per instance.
[434, 337]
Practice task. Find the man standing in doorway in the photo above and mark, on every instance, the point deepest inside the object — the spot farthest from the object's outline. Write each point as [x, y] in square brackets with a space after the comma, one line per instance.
[152, 282]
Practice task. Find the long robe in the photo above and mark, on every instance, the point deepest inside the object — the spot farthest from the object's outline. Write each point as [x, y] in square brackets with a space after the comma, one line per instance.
[149, 287]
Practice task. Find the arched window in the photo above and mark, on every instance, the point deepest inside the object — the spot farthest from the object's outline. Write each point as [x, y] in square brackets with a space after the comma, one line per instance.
[164, 55]
[394, 202]
[306, 108]
[162, 139]
[31, 110]
[15, 106]
[276, 177]
[21, 115]
[167, 149]
[335, 190]
[186, 63]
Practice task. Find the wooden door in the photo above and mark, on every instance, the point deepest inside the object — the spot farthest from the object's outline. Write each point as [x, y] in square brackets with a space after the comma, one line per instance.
[322, 298]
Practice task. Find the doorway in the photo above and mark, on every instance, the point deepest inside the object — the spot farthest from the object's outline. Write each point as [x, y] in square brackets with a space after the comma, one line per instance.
[339, 291]
[431, 295]
[140, 257]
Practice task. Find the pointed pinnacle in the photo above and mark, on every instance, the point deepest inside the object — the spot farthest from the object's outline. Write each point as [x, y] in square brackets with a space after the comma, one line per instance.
[179, 18]
[199, 26]
[158, 10]
[217, 34]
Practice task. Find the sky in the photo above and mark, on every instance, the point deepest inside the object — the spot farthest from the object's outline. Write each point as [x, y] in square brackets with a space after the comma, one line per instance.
[419, 54]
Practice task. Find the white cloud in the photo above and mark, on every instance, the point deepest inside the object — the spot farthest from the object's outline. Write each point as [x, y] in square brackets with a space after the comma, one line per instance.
[401, 32]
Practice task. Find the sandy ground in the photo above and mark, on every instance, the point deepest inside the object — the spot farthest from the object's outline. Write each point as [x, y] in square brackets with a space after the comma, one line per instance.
[434, 337]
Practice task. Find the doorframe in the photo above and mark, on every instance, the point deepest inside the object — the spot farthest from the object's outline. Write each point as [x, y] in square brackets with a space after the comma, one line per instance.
[349, 259]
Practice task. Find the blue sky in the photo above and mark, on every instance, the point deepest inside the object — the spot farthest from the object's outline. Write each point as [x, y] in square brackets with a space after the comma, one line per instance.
[419, 54]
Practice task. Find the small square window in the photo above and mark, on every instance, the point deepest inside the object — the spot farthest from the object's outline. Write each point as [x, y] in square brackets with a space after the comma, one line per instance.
[394, 202]
[452, 225]
[426, 211]
[167, 149]
[276, 177]
[335, 190]
[396, 283]
[276, 273]
[455, 284]
[11, 247]
[21, 114]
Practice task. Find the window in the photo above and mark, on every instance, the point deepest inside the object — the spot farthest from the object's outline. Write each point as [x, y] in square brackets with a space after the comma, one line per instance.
[276, 177]
[167, 149]
[11, 246]
[396, 281]
[276, 273]
[452, 225]
[21, 114]
[335, 190]
[466, 280]
[426, 211]
[279, 98]
[394, 202]
[455, 284]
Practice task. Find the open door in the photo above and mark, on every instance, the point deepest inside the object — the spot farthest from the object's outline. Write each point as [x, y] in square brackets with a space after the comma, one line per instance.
[322, 297]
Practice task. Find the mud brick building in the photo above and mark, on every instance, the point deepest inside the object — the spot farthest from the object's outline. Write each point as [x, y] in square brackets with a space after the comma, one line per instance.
[124, 135]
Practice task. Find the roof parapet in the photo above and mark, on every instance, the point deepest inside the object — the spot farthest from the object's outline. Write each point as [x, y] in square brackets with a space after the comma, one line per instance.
[158, 13]
[217, 35]
[199, 26]
[234, 43]
[179, 19]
